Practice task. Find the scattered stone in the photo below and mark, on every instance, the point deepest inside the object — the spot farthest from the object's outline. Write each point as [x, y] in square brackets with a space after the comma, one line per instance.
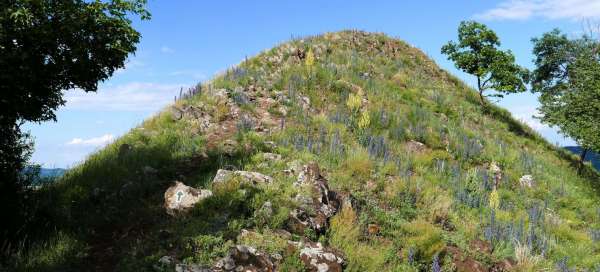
[479, 245]
[504, 266]
[271, 157]
[314, 211]
[176, 113]
[527, 181]
[304, 102]
[245, 176]
[191, 268]
[166, 260]
[321, 259]
[415, 147]
[245, 258]
[464, 263]
[266, 211]
[180, 197]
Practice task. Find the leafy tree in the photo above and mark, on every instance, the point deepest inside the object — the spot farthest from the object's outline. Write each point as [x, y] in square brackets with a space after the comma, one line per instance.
[47, 47]
[567, 76]
[477, 53]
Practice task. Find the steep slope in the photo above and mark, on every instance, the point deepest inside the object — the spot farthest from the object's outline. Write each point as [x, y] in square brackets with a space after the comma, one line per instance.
[359, 153]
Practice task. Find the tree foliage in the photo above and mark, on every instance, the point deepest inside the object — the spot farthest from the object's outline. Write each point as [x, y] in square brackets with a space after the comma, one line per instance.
[477, 53]
[46, 48]
[567, 76]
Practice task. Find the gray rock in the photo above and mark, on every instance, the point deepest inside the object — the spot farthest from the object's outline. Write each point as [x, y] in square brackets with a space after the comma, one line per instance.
[180, 197]
[321, 259]
[245, 176]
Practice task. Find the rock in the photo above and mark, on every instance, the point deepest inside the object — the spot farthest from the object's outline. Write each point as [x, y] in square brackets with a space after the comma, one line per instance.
[176, 113]
[245, 258]
[244, 176]
[464, 263]
[221, 93]
[271, 157]
[314, 211]
[481, 246]
[191, 268]
[266, 211]
[504, 266]
[180, 197]
[304, 102]
[317, 258]
[166, 260]
[415, 147]
[527, 181]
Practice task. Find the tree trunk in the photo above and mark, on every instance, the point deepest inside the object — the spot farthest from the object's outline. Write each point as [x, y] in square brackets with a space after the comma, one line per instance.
[480, 91]
[582, 160]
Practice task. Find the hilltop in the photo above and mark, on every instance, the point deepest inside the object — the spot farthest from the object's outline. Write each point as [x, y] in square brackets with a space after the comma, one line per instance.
[347, 150]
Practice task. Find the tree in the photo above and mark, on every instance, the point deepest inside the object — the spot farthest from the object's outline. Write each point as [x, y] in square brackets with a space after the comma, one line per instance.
[567, 77]
[46, 48]
[477, 53]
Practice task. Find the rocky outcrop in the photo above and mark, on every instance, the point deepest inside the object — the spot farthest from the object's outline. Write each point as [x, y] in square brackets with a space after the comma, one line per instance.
[245, 258]
[244, 176]
[180, 197]
[315, 210]
[317, 258]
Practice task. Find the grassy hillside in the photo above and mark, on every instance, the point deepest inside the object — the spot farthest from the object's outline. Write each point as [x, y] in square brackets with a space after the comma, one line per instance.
[409, 156]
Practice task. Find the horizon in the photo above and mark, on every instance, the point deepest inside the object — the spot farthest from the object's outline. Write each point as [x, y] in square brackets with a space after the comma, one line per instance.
[187, 42]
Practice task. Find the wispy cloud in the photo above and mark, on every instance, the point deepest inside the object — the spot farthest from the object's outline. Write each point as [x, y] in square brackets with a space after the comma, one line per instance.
[548, 9]
[95, 142]
[528, 115]
[133, 96]
[167, 50]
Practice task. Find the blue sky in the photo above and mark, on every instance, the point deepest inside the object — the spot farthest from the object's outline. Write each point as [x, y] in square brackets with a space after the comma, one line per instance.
[189, 41]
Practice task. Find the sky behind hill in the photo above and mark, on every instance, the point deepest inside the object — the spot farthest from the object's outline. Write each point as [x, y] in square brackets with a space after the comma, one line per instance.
[189, 41]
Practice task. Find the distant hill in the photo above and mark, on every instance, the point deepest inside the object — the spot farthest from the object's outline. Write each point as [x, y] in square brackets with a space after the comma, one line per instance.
[591, 156]
[47, 174]
[344, 151]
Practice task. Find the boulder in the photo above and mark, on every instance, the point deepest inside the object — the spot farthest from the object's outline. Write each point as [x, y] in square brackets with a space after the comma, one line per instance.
[245, 258]
[180, 197]
[527, 181]
[244, 176]
[317, 258]
[415, 147]
[315, 210]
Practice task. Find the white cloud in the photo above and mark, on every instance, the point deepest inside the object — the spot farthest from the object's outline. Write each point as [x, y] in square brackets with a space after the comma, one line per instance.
[548, 9]
[167, 50]
[96, 142]
[133, 96]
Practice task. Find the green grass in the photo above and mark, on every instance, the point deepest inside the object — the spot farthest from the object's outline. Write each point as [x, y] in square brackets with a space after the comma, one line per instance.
[422, 201]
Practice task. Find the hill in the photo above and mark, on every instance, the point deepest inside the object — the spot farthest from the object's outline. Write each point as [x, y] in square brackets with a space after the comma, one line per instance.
[347, 150]
[592, 157]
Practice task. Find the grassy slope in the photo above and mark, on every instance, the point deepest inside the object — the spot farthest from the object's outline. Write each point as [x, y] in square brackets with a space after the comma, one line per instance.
[107, 211]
